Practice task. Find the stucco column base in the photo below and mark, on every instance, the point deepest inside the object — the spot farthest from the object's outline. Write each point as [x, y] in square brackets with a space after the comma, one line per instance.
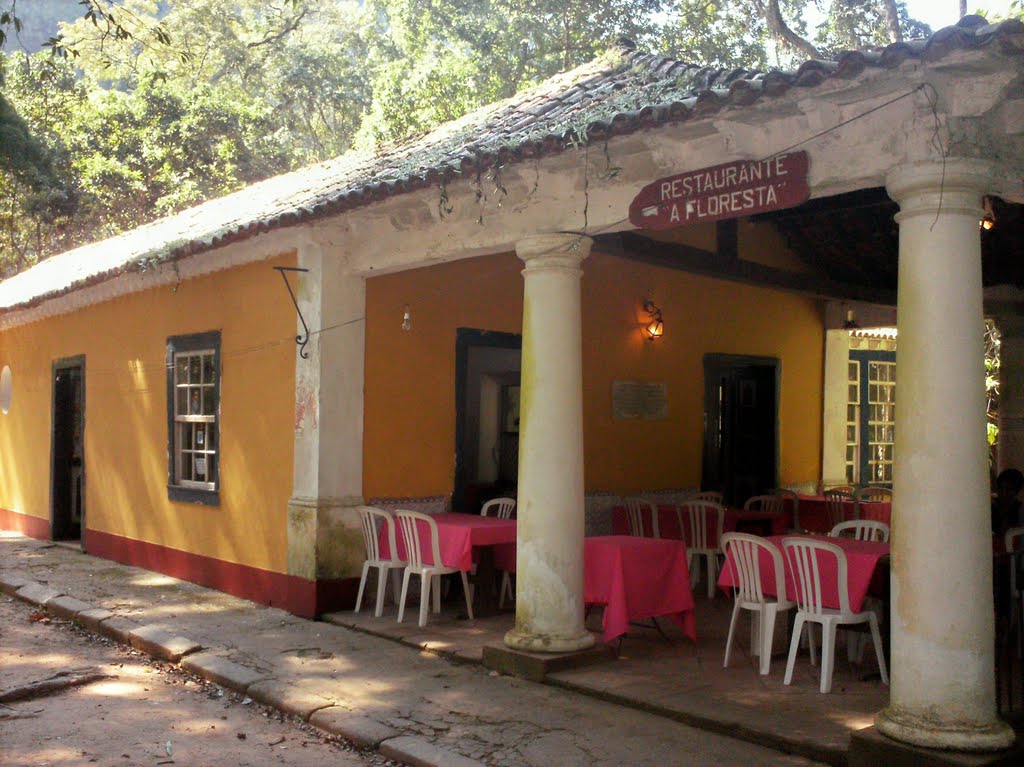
[902, 725]
[324, 538]
[533, 642]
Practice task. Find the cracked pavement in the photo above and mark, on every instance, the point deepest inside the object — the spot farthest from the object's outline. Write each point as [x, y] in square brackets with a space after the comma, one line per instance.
[463, 709]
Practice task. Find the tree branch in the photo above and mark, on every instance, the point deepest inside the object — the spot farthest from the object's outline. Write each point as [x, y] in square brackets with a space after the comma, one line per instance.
[287, 30]
[781, 31]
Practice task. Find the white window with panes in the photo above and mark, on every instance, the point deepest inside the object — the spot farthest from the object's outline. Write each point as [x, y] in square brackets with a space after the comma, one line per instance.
[881, 420]
[194, 405]
[870, 417]
[853, 424]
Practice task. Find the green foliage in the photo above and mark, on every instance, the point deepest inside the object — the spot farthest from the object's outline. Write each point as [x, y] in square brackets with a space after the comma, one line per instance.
[151, 106]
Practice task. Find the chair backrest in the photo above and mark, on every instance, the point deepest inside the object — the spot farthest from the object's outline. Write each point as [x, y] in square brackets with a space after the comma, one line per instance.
[771, 503]
[501, 508]
[372, 520]
[841, 488]
[709, 495]
[637, 509]
[861, 530]
[743, 553]
[839, 504]
[414, 525]
[702, 517]
[872, 493]
[790, 498]
[808, 561]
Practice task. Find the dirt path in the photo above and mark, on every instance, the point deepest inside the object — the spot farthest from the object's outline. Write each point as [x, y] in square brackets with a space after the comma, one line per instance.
[68, 697]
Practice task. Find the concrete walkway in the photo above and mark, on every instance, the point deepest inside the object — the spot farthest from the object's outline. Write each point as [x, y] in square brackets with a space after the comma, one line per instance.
[416, 707]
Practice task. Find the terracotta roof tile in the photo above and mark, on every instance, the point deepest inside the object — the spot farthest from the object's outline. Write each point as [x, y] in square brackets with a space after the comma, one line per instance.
[624, 91]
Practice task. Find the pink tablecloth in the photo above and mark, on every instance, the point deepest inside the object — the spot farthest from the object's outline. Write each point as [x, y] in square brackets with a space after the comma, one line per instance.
[861, 557]
[636, 578]
[457, 534]
[814, 513]
[668, 522]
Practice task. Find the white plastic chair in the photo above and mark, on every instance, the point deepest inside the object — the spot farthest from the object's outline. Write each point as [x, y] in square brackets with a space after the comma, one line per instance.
[636, 510]
[805, 556]
[702, 516]
[372, 520]
[743, 554]
[709, 495]
[411, 524]
[839, 505]
[870, 494]
[501, 508]
[790, 498]
[861, 530]
[1014, 541]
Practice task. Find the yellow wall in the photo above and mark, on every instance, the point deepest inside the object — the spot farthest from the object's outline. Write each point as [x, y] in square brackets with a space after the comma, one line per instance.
[410, 377]
[124, 343]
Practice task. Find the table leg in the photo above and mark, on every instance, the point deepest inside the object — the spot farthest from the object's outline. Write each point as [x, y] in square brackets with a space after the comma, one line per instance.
[485, 598]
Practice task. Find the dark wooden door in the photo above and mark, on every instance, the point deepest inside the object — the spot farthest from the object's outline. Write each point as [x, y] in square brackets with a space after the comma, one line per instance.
[68, 469]
[741, 425]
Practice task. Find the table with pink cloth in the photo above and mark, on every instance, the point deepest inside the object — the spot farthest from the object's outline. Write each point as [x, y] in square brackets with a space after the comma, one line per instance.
[814, 512]
[457, 534]
[668, 522]
[861, 556]
[636, 578]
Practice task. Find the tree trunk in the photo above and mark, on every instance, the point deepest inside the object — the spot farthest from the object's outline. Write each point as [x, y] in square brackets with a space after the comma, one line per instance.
[892, 20]
[963, 8]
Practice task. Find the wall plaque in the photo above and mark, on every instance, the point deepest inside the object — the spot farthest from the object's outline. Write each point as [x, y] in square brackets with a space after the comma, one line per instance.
[639, 400]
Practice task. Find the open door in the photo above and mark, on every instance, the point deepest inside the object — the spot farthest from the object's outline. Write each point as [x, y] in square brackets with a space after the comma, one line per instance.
[487, 368]
[740, 425]
[67, 468]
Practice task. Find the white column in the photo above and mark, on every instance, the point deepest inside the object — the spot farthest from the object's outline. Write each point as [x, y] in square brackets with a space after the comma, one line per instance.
[549, 561]
[943, 690]
[1011, 392]
[324, 541]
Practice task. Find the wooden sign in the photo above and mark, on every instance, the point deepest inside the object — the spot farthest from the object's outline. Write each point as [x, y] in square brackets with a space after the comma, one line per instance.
[729, 190]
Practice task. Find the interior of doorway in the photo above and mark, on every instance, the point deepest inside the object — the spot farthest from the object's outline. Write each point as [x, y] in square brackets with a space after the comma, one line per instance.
[67, 467]
[487, 369]
[741, 408]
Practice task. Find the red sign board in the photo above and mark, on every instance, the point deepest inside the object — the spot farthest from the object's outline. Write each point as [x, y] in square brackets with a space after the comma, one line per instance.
[729, 190]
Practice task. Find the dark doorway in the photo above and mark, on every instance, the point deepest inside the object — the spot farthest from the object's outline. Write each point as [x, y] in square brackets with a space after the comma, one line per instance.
[740, 425]
[67, 470]
[487, 368]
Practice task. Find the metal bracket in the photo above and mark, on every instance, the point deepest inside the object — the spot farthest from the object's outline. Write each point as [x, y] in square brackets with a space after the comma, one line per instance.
[301, 339]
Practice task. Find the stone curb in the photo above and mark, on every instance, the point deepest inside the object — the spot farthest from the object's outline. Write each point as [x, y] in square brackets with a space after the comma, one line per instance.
[420, 752]
[288, 697]
[361, 730]
[222, 671]
[91, 618]
[9, 583]
[160, 642]
[67, 608]
[37, 593]
[117, 628]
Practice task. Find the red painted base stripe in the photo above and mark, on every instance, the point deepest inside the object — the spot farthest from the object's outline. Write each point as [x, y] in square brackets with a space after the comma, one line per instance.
[33, 527]
[299, 596]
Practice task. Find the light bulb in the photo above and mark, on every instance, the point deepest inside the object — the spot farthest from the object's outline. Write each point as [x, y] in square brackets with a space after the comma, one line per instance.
[406, 320]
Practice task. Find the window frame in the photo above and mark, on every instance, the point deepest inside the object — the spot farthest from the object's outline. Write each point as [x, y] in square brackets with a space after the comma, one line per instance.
[203, 493]
[864, 358]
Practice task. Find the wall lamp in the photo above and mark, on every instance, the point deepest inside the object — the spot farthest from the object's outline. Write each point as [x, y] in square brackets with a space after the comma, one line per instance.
[988, 218]
[654, 327]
